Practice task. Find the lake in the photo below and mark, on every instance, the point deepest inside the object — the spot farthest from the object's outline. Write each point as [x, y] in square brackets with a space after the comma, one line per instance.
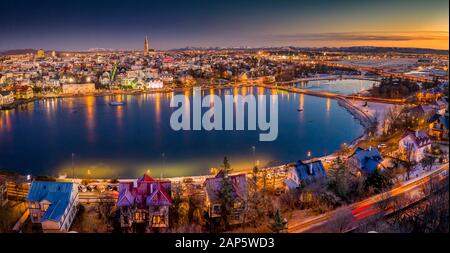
[340, 86]
[125, 141]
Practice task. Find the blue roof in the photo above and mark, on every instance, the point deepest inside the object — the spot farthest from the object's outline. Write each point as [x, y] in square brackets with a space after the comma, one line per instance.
[57, 193]
[309, 171]
[368, 159]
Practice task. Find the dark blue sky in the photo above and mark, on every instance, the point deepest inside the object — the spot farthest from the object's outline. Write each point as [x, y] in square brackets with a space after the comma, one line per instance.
[83, 24]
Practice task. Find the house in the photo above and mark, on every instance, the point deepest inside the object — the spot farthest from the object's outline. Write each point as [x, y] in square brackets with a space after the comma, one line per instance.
[144, 203]
[305, 173]
[422, 111]
[428, 96]
[438, 127]
[6, 97]
[416, 142]
[440, 106]
[238, 196]
[23, 92]
[364, 161]
[53, 204]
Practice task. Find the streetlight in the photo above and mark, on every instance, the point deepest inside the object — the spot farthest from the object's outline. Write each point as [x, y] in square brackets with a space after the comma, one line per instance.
[254, 153]
[308, 154]
[163, 155]
[73, 167]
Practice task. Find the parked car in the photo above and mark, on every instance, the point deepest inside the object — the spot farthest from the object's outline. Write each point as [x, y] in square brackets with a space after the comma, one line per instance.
[382, 145]
[82, 188]
[91, 187]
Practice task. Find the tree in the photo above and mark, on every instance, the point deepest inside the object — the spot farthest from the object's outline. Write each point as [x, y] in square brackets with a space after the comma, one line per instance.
[176, 201]
[5, 219]
[279, 223]
[339, 179]
[256, 204]
[183, 213]
[427, 162]
[106, 210]
[225, 193]
[378, 181]
[407, 161]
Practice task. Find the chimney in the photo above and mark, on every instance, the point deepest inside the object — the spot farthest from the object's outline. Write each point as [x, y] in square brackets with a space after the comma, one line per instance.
[310, 169]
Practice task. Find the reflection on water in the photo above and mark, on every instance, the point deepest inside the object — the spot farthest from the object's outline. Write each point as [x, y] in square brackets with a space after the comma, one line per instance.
[345, 87]
[125, 141]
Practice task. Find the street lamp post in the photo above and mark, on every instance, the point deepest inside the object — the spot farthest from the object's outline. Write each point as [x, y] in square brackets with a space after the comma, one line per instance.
[163, 155]
[254, 154]
[73, 166]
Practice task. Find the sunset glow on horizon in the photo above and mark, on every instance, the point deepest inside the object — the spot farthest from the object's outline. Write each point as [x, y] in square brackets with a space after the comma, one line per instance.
[173, 24]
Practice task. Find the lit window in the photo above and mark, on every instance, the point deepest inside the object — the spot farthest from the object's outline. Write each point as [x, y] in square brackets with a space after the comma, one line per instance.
[157, 220]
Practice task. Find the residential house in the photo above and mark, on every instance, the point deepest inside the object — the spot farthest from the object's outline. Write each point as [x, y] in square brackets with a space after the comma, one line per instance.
[238, 196]
[422, 111]
[302, 173]
[364, 161]
[6, 97]
[428, 96]
[144, 203]
[23, 92]
[417, 143]
[438, 127]
[440, 106]
[53, 204]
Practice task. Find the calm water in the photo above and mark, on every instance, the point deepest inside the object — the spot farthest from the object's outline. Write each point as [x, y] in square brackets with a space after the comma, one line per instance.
[39, 138]
[344, 87]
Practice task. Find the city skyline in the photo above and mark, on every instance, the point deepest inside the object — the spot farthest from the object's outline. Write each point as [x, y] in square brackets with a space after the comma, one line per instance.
[177, 24]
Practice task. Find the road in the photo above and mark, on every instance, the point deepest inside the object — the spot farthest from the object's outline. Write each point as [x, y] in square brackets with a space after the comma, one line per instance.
[368, 207]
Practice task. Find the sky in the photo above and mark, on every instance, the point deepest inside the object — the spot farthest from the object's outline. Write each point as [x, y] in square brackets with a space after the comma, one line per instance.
[83, 24]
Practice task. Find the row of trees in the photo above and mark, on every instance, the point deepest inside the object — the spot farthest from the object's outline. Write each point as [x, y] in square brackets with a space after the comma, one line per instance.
[391, 88]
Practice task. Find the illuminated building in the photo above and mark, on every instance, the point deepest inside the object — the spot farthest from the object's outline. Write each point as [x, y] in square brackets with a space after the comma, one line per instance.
[40, 54]
[146, 48]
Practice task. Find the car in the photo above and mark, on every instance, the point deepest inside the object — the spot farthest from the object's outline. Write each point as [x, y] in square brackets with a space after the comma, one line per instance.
[382, 145]
[82, 188]
[91, 187]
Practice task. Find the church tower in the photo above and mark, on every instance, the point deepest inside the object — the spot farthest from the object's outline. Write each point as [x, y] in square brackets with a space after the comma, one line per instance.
[146, 45]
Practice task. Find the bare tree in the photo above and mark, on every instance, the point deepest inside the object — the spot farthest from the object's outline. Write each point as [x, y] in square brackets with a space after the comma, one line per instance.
[341, 222]
[105, 209]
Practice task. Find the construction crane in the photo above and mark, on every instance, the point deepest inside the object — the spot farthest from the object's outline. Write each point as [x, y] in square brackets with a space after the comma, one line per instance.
[113, 73]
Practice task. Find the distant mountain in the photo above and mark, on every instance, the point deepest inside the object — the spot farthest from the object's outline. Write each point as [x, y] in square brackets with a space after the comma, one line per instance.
[367, 49]
[354, 49]
[17, 51]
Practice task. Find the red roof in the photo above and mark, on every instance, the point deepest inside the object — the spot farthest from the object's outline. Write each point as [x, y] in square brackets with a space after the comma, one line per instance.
[146, 178]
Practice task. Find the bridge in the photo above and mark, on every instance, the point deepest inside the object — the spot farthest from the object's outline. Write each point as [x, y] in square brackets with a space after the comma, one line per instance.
[332, 95]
